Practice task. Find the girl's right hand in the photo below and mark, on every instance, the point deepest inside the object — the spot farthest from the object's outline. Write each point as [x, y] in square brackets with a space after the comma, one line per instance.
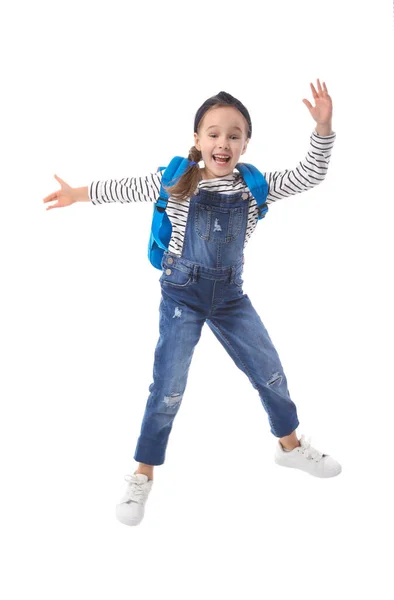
[64, 197]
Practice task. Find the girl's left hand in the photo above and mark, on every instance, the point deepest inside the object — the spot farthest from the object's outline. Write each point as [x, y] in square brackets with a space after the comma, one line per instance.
[322, 112]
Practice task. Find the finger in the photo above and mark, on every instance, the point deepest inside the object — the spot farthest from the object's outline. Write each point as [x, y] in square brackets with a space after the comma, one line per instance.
[319, 86]
[60, 179]
[314, 92]
[50, 197]
[325, 87]
[308, 104]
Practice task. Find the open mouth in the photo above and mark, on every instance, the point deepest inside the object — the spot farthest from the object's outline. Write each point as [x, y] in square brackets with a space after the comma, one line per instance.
[221, 161]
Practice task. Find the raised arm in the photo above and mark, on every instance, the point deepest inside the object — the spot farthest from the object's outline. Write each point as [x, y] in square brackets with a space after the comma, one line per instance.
[309, 172]
[313, 169]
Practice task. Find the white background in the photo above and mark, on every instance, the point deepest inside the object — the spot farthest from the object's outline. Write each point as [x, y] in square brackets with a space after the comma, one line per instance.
[109, 90]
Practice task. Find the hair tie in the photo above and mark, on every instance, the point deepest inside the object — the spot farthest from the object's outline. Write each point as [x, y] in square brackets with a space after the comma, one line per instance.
[191, 163]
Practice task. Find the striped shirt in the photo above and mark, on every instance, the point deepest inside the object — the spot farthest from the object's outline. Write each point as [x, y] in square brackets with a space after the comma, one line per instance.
[309, 172]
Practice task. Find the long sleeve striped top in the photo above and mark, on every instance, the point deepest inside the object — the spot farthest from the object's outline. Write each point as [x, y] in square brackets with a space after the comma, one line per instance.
[308, 173]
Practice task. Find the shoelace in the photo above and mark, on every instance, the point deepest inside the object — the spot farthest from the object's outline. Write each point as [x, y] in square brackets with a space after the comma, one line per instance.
[134, 492]
[308, 450]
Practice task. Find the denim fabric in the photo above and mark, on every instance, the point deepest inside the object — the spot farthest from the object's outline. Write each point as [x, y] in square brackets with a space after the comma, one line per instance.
[205, 285]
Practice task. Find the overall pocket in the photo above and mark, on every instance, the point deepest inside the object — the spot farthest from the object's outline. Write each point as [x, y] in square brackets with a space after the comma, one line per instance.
[218, 224]
[173, 276]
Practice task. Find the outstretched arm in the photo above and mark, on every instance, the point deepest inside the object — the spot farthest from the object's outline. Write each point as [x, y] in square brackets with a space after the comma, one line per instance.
[128, 189]
[131, 189]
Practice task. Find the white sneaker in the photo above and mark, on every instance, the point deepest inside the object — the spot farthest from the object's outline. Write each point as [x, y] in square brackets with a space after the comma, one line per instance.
[131, 508]
[308, 459]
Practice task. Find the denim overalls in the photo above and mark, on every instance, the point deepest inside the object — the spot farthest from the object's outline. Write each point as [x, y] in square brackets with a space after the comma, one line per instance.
[205, 284]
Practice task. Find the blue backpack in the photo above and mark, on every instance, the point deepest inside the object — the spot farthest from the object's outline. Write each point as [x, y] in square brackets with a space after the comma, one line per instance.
[161, 225]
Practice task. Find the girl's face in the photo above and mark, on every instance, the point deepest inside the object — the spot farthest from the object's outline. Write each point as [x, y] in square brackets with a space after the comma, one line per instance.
[222, 130]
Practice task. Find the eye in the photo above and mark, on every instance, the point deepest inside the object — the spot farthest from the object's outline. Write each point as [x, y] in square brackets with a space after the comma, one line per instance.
[214, 135]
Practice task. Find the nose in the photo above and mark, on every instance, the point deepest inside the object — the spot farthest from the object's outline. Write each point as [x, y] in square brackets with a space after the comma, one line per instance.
[223, 144]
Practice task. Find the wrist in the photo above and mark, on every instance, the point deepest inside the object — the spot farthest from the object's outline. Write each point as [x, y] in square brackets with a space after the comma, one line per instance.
[324, 129]
[80, 194]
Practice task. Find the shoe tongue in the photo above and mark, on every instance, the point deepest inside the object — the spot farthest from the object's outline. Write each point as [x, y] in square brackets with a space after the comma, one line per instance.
[141, 477]
[303, 443]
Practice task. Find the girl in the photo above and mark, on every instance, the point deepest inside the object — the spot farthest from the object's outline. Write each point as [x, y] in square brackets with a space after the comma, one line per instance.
[213, 215]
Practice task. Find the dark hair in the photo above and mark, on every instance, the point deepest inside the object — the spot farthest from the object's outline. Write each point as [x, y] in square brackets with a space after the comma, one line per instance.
[187, 184]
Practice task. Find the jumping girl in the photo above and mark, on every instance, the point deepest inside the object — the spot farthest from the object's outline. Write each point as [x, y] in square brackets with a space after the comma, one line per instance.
[213, 214]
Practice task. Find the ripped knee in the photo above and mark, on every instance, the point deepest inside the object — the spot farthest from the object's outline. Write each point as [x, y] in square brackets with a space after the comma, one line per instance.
[275, 378]
[172, 400]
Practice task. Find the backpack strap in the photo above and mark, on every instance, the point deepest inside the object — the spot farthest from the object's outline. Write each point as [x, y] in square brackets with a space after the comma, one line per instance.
[257, 184]
[174, 170]
[161, 228]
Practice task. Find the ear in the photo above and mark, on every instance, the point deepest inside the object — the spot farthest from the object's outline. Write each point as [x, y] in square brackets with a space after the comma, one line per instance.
[196, 142]
[245, 146]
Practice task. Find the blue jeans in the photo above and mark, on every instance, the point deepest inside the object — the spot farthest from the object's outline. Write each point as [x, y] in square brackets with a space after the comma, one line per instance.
[205, 285]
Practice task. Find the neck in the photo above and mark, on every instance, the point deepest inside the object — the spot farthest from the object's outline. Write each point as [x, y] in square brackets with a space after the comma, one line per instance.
[204, 175]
